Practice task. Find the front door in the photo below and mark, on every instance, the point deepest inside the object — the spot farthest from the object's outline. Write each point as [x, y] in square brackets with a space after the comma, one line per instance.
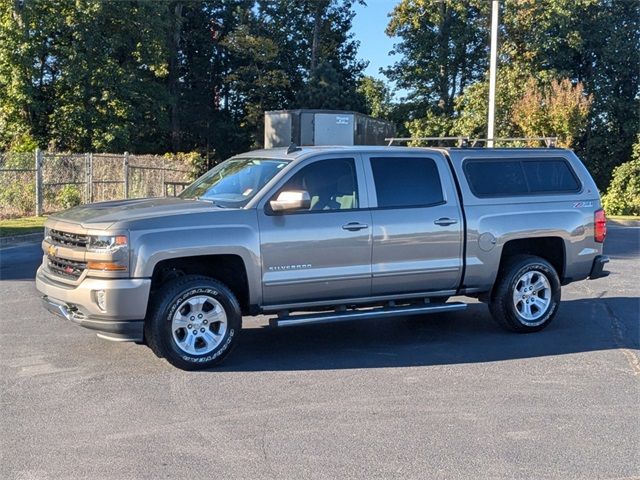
[323, 252]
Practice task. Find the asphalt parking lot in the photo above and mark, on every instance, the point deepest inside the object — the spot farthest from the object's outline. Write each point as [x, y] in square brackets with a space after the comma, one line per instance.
[442, 396]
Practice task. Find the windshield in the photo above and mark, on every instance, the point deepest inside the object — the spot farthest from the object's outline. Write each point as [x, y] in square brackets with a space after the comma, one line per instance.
[234, 182]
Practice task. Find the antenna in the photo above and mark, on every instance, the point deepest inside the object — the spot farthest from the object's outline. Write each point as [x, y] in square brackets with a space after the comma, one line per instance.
[293, 148]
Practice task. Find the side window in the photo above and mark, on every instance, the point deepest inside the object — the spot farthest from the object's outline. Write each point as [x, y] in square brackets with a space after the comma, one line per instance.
[498, 178]
[406, 182]
[332, 184]
[550, 176]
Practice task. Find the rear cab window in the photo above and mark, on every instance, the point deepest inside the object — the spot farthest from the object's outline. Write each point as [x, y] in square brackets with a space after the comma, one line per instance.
[405, 182]
[490, 177]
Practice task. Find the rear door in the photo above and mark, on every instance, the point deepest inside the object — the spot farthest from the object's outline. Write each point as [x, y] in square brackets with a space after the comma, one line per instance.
[417, 223]
[323, 252]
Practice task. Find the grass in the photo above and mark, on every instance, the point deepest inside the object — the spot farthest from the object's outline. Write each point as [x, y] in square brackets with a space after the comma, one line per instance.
[623, 217]
[21, 226]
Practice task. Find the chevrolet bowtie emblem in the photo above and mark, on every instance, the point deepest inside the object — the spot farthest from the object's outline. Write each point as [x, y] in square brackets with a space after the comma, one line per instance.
[52, 251]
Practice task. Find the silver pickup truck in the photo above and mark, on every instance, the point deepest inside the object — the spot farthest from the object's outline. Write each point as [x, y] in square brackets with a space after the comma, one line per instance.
[325, 234]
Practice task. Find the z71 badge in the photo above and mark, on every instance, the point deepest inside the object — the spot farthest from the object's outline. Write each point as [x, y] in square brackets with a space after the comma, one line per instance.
[583, 205]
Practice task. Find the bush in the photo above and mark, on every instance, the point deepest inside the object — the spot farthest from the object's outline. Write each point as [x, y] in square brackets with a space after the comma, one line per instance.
[24, 143]
[623, 195]
[18, 198]
[194, 161]
[69, 196]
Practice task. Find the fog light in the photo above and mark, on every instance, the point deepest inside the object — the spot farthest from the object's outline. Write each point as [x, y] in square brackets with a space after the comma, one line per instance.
[101, 299]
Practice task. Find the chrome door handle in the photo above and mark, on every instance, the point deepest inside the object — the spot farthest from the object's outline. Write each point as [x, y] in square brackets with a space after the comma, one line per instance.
[354, 226]
[445, 221]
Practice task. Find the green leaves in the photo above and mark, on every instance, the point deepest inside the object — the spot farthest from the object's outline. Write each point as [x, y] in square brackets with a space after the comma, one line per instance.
[443, 49]
[623, 195]
[377, 97]
[559, 109]
[153, 76]
[566, 69]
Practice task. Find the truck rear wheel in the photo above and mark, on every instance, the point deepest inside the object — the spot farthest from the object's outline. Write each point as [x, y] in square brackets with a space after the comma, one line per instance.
[527, 295]
[193, 323]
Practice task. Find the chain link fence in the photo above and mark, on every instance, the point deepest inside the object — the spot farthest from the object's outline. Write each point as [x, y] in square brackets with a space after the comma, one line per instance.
[43, 182]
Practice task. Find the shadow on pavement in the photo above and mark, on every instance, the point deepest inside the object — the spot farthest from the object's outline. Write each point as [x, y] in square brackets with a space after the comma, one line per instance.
[442, 339]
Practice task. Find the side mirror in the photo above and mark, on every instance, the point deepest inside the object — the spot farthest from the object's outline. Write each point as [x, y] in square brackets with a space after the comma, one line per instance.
[291, 200]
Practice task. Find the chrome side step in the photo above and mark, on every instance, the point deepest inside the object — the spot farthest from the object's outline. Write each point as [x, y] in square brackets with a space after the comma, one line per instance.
[322, 317]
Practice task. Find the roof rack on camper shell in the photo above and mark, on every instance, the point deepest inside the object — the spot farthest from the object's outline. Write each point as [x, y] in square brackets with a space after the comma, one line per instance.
[549, 142]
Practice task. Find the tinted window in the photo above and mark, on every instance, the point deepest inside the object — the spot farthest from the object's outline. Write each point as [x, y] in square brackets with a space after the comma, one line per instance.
[331, 184]
[406, 182]
[549, 176]
[496, 178]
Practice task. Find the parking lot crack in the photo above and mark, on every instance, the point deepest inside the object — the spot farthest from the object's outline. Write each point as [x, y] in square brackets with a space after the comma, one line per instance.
[618, 330]
[263, 446]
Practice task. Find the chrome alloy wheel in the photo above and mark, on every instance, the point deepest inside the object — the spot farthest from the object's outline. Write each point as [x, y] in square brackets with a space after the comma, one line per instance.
[531, 297]
[199, 325]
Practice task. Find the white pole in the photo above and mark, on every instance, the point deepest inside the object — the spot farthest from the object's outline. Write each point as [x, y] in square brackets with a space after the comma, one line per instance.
[492, 72]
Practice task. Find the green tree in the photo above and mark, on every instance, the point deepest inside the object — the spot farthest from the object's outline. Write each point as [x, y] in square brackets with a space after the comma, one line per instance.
[592, 43]
[25, 72]
[623, 194]
[560, 109]
[152, 76]
[326, 90]
[443, 51]
[595, 43]
[334, 71]
[257, 79]
[85, 74]
[471, 107]
[377, 96]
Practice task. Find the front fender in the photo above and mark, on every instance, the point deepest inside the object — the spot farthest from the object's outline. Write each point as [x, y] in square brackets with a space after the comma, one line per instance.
[152, 247]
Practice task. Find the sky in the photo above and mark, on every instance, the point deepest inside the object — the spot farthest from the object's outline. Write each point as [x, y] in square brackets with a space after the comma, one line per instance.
[369, 25]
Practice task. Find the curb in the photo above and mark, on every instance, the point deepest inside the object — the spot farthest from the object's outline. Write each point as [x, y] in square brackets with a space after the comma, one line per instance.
[18, 239]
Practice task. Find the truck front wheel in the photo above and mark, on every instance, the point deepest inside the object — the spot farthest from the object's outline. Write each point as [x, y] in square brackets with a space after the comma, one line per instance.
[527, 295]
[193, 322]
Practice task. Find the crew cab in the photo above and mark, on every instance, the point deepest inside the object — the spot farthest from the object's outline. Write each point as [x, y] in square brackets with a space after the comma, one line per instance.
[320, 234]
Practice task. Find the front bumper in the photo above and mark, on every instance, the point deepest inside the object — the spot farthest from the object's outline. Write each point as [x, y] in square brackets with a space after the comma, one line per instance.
[597, 270]
[123, 312]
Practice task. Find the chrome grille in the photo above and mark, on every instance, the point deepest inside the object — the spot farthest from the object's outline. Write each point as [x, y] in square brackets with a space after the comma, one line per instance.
[68, 239]
[66, 268]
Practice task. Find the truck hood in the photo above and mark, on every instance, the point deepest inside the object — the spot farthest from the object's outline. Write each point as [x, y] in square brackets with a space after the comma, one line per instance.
[102, 215]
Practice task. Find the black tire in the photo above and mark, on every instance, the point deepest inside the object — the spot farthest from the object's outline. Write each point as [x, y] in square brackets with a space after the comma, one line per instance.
[511, 313]
[163, 336]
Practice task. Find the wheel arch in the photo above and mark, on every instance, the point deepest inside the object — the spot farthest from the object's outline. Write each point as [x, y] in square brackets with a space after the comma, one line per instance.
[550, 248]
[230, 269]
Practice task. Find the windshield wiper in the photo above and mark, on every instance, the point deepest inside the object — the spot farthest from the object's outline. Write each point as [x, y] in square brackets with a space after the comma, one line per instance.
[210, 200]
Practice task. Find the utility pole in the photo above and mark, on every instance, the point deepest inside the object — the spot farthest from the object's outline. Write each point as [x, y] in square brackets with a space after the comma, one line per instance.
[492, 72]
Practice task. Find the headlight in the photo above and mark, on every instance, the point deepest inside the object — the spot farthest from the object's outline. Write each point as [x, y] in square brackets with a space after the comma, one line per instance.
[107, 243]
[116, 249]
[47, 233]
